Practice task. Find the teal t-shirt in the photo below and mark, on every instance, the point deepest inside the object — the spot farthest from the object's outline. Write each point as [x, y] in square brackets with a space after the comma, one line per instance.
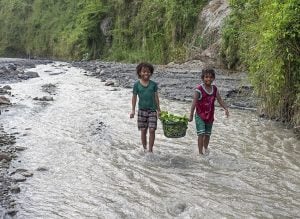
[146, 95]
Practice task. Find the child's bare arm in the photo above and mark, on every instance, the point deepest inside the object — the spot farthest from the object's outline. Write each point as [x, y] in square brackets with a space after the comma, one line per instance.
[133, 103]
[157, 102]
[196, 97]
[222, 104]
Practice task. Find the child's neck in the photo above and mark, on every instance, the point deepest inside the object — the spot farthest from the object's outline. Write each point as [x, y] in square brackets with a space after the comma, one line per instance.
[144, 82]
[207, 86]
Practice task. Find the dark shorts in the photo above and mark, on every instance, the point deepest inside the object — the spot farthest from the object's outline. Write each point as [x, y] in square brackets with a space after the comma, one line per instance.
[147, 119]
[202, 127]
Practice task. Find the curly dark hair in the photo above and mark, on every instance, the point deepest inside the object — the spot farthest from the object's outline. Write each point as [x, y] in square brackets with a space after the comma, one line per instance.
[144, 65]
[206, 71]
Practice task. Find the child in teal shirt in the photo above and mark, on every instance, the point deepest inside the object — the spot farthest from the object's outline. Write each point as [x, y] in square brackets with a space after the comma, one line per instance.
[148, 105]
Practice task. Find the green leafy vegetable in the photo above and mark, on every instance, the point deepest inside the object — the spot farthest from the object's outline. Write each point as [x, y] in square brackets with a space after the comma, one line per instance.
[174, 126]
[171, 118]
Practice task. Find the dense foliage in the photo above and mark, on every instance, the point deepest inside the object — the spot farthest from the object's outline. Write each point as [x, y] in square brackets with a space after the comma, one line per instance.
[264, 37]
[61, 29]
[152, 30]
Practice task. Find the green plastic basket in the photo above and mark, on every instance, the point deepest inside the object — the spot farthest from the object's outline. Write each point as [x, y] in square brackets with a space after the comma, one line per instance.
[174, 129]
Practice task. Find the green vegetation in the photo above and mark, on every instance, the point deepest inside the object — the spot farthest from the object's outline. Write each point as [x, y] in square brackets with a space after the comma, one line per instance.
[264, 37]
[152, 30]
[174, 126]
[167, 117]
[62, 29]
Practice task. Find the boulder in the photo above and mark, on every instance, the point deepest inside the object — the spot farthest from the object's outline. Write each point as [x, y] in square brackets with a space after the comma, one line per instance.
[4, 100]
[31, 74]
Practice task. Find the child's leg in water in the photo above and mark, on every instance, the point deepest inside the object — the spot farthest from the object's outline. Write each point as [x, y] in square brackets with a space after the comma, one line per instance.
[206, 138]
[206, 141]
[144, 138]
[151, 139]
[200, 143]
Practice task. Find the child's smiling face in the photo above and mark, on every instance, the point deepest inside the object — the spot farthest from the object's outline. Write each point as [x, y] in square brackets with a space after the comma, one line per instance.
[145, 74]
[208, 79]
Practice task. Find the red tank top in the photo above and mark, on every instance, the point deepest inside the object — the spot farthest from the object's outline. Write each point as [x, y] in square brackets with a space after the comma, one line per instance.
[205, 106]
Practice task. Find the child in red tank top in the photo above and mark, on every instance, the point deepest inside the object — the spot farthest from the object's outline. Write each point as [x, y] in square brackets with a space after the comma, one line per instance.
[205, 106]
[204, 103]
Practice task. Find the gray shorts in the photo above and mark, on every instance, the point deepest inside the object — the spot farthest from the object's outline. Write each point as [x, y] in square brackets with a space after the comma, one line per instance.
[147, 119]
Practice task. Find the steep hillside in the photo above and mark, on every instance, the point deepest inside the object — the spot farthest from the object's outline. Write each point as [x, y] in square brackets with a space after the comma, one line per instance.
[206, 40]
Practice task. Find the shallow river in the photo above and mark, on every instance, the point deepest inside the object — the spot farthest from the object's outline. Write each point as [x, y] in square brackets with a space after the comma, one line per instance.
[94, 166]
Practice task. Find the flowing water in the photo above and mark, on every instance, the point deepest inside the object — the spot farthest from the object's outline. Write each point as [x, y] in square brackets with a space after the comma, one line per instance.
[88, 162]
